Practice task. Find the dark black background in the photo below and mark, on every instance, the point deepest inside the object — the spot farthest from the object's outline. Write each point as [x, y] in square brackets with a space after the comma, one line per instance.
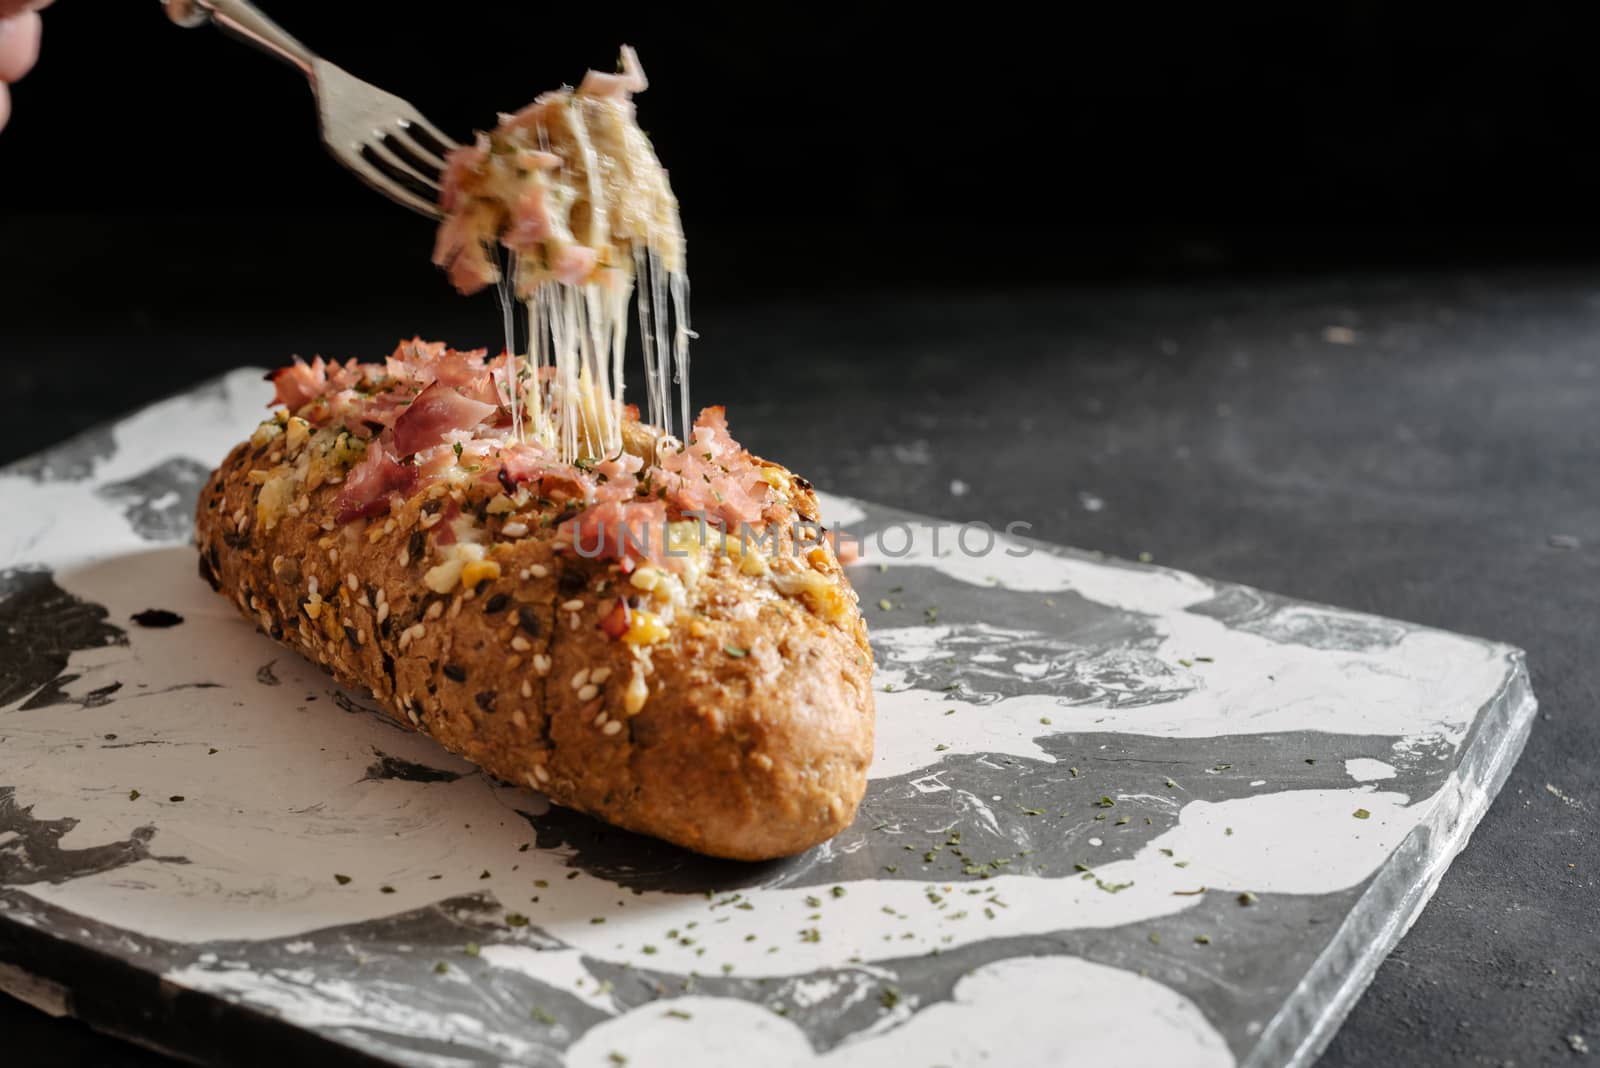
[164, 188]
[828, 145]
[1091, 251]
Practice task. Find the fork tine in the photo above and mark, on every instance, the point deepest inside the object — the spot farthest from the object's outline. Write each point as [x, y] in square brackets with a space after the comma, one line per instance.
[363, 163]
[413, 158]
[427, 136]
[396, 166]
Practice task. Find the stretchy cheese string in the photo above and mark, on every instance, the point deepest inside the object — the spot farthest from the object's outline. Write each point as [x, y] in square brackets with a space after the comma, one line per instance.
[571, 375]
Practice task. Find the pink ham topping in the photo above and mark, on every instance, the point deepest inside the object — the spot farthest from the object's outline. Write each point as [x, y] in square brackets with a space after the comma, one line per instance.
[715, 476]
[623, 84]
[428, 410]
[460, 162]
[367, 487]
[632, 532]
[543, 474]
[438, 410]
[301, 383]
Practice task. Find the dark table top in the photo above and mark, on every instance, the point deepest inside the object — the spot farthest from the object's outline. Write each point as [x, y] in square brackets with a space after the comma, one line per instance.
[1423, 447]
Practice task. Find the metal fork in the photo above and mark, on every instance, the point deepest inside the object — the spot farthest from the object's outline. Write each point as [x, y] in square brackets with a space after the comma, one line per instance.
[383, 139]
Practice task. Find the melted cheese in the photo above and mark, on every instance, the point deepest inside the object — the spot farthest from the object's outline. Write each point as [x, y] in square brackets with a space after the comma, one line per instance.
[572, 190]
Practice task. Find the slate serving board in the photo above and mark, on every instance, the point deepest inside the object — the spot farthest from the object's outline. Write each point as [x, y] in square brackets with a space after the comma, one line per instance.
[1117, 812]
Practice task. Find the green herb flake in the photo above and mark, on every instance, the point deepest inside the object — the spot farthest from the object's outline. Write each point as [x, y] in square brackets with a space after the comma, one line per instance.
[597, 919]
[133, 795]
[471, 949]
[342, 880]
[1155, 939]
[1361, 814]
[837, 891]
[678, 1014]
[1033, 812]
[813, 902]
[1045, 720]
[884, 605]
[616, 1058]
[1171, 785]
[1202, 940]
[441, 968]
[516, 919]
[889, 997]
[541, 1014]
[1104, 802]
[736, 652]
[1247, 899]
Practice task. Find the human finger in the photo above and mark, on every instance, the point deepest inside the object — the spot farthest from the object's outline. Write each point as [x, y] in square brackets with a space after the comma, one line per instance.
[19, 46]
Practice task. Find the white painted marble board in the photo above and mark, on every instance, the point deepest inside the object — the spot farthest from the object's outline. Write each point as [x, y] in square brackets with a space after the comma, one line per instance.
[1082, 765]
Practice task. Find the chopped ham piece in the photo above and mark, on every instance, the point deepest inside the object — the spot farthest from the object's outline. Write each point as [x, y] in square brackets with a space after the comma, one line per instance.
[436, 411]
[713, 475]
[624, 84]
[617, 479]
[367, 487]
[545, 475]
[299, 384]
[458, 164]
[571, 264]
[630, 532]
[469, 377]
[444, 531]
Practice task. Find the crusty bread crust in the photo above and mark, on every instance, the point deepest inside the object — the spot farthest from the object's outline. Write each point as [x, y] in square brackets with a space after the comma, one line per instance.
[755, 738]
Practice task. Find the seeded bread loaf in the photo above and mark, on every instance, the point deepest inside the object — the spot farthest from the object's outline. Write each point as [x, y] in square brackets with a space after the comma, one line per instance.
[736, 720]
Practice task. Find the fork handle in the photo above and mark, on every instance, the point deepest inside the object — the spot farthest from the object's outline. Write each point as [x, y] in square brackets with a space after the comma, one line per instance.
[241, 19]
